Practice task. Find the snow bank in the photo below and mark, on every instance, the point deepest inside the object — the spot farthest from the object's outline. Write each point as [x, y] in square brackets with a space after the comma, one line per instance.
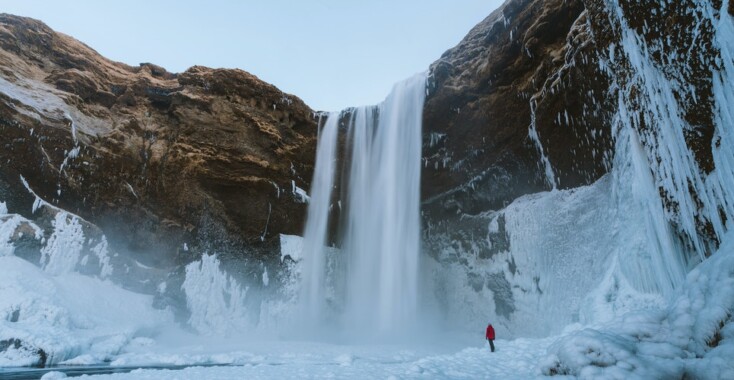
[693, 336]
[308, 360]
[53, 375]
[50, 319]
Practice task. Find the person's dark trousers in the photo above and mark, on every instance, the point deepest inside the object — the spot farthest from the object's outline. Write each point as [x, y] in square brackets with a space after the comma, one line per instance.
[491, 344]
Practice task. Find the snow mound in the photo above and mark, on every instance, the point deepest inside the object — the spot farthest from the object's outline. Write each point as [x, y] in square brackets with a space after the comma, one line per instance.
[53, 375]
[692, 337]
[70, 318]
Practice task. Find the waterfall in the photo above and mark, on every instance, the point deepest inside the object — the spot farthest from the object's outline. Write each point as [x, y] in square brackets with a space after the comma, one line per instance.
[313, 289]
[380, 225]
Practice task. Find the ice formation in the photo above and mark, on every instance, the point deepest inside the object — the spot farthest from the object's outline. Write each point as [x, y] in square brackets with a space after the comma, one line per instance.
[67, 316]
[214, 298]
[692, 335]
[63, 250]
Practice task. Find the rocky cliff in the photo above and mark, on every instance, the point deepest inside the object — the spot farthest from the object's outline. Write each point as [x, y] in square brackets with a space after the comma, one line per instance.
[534, 97]
[163, 163]
[571, 142]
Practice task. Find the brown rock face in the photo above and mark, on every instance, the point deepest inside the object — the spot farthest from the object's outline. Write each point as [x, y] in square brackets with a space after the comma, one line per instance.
[530, 65]
[208, 157]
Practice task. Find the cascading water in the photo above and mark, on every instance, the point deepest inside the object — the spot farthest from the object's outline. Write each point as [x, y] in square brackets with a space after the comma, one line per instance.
[381, 223]
[313, 291]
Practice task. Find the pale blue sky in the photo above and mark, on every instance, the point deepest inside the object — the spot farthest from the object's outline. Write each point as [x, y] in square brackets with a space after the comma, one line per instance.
[333, 54]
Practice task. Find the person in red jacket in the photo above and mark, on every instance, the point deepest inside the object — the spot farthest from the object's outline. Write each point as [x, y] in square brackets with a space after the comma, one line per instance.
[490, 336]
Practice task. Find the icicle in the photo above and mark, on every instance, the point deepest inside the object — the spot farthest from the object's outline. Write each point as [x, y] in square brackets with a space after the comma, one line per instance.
[550, 177]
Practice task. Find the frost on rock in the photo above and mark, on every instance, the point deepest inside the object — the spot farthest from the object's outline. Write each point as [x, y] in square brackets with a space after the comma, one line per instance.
[550, 176]
[70, 243]
[300, 194]
[38, 202]
[13, 227]
[63, 249]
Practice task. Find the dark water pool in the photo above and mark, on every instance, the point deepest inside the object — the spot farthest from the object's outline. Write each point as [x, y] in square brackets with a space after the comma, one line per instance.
[72, 371]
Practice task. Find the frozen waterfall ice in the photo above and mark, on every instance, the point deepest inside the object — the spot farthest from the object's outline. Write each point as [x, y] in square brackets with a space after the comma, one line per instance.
[380, 223]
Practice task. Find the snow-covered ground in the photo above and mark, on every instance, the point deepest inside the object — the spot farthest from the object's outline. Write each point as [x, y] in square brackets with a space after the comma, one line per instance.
[286, 360]
[691, 336]
[91, 321]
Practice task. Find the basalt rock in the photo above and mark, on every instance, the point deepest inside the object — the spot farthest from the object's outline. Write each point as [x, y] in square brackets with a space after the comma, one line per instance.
[208, 157]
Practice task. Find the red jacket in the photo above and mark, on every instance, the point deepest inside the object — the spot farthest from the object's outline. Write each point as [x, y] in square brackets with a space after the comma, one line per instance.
[490, 332]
